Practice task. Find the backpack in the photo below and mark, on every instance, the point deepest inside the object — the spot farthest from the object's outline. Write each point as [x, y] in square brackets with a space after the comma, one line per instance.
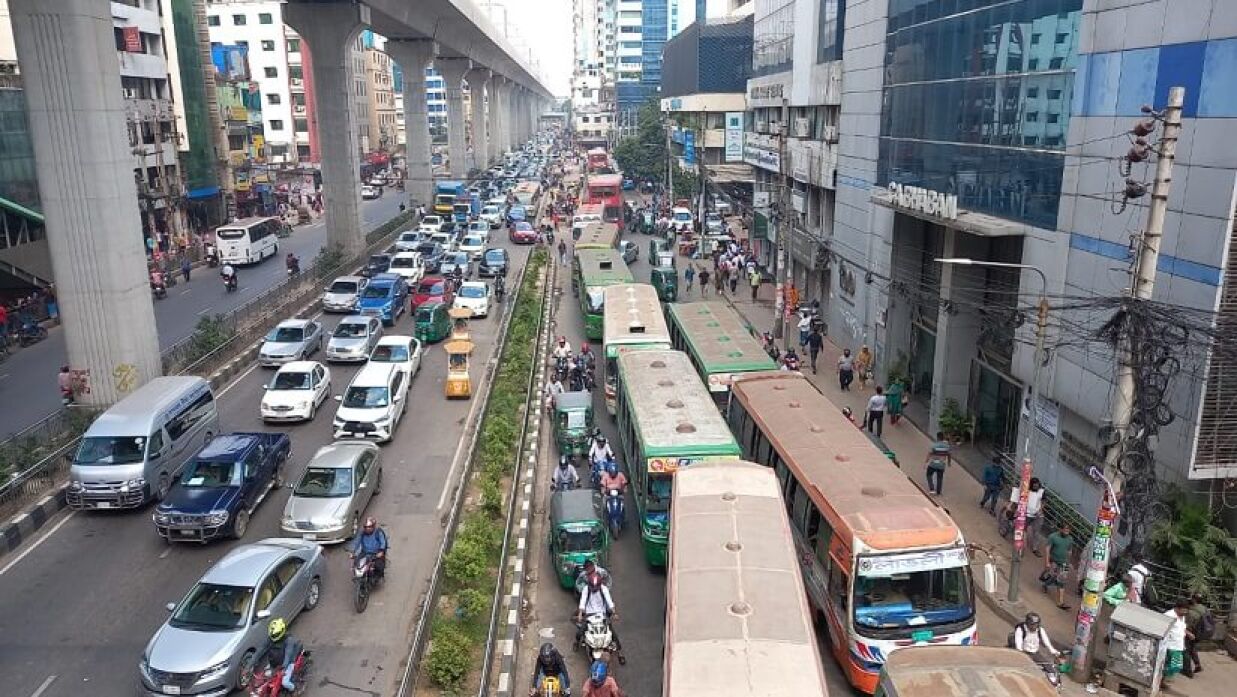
[1011, 640]
[1206, 626]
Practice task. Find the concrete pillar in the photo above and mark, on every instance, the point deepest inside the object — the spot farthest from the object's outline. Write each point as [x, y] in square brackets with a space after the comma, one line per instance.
[956, 326]
[478, 80]
[330, 29]
[413, 55]
[453, 70]
[88, 193]
[504, 114]
[494, 128]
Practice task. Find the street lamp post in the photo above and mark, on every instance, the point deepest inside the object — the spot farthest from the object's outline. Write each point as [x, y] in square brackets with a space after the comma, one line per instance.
[1024, 479]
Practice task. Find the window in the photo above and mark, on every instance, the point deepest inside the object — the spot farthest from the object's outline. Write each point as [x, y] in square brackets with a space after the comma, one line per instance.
[296, 72]
[276, 124]
[294, 45]
[1056, 63]
[238, 20]
[301, 125]
[270, 71]
[279, 150]
[243, 43]
[185, 421]
[273, 99]
[1033, 64]
[1062, 38]
[155, 444]
[1035, 39]
[212, 21]
[302, 152]
[267, 592]
[268, 45]
[1032, 92]
[298, 99]
[265, 18]
[286, 571]
[1054, 94]
[1032, 116]
[1054, 118]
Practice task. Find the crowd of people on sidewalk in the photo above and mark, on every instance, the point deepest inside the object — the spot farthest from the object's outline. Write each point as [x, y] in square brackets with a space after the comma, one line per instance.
[24, 313]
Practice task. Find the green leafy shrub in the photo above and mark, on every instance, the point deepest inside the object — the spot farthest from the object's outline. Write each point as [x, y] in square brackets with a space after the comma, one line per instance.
[1192, 541]
[471, 603]
[449, 656]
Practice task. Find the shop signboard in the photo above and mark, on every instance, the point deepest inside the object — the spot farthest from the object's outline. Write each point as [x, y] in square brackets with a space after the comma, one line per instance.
[734, 136]
[689, 147]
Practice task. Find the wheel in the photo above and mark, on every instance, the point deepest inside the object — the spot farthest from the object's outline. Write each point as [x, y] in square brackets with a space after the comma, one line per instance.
[378, 484]
[313, 594]
[361, 601]
[245, 674]
[279, 475]
[241, 524]
[313, 411]
[356, 524]
[614, 530]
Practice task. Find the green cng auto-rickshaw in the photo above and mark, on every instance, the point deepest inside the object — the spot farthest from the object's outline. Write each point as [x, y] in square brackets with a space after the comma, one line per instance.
[577, 533]
[646, 222]
[432, 322]
[573, 422]
[665, 280]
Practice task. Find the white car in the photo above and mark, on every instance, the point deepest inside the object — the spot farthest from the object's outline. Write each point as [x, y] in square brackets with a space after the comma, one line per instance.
[370, 192]
[430, 223]
[479, 227]
[492, 215]
[408, 241]
[476, 296]
[372, 405]
[296, 392]
[446, 239]
[409, 265]
[403, 351]
[473, 245]
[353, 338]
[342, 294]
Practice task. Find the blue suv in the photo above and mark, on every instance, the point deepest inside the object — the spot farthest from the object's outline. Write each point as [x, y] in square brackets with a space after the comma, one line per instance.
[384, 297]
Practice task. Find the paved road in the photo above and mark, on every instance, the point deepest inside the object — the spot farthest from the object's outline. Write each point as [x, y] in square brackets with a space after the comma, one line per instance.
[31, 373]
[80, 603]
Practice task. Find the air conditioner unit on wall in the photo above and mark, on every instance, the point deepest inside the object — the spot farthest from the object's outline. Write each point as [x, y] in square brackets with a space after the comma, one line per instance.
[802, 127]
[831, 134]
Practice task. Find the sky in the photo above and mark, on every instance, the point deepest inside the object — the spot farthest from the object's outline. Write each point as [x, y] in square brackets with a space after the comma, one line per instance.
[545, 27]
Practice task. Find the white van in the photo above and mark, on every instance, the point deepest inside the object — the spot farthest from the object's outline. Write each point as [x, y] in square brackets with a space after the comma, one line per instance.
[133, 452]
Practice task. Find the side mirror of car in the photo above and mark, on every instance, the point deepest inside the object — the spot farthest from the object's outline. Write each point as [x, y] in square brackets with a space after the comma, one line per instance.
[339, 398]
[398, 398]
[262, 614]
[170, 606]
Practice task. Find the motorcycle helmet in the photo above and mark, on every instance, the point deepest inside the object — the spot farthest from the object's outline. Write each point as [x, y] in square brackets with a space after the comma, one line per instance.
[598, 672]
[277, 629]
[546, 654]
[601, 440]
[1031, 620]
[612, 468]
[564, 461]
[846, 412]
[562, 340]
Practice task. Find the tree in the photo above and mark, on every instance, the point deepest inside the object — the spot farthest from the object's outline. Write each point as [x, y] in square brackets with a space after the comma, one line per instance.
[643, 156]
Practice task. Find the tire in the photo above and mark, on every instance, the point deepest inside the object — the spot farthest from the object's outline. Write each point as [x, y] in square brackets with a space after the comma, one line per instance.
[245, 674]
[378, 484]
[356, 524]
[313, 411]
[615, 528]
[360, 599]
[313, 594]
[240, 524]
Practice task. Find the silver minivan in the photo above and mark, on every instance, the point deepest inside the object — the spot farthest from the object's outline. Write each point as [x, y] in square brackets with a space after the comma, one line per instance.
[133, 452]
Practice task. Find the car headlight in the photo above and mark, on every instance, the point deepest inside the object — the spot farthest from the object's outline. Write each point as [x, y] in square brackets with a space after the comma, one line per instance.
[382, 421]
[162, 518]
[214, 671]
[75, 486]
[216, 517]
[304, 405]
[132, 485]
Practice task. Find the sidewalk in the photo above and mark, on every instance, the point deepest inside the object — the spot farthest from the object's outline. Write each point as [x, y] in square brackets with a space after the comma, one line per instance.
[960, 498]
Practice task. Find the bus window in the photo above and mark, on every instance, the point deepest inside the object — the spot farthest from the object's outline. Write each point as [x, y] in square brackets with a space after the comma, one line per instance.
[837, 588]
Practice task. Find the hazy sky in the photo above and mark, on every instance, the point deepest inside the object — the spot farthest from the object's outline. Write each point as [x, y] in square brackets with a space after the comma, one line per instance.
[545, 27]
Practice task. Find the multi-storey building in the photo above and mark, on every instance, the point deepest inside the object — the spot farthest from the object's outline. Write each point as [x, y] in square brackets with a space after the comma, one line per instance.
[593, 76]
[301, 93]
[383, 132]
[241, 110]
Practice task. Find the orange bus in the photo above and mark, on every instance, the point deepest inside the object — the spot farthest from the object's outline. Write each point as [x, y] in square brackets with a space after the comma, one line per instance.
[885, 567]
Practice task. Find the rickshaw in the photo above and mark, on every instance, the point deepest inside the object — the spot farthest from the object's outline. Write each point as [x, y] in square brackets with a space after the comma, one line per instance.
[459, 323]
[665, 280]
[432, 323]
[573, 422]
[577, 533]
[658, 247]
[647, 222]
[459, 383]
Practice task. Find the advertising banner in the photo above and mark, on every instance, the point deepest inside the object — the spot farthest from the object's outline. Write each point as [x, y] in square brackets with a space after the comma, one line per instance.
[734, 136]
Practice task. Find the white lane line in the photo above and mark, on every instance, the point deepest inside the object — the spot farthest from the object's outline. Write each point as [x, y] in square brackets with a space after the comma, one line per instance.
[186, 291]
[446, 486]
[35, 545]
[238, 380]
[209, 309]
[43, 688]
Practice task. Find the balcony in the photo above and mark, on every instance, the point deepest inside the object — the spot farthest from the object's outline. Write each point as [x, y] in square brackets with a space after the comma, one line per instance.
[142, 65]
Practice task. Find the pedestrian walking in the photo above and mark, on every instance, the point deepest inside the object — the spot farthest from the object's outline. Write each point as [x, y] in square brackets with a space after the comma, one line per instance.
[719, 281]
[562, 252]
[704, 282]
[815, 342]
[846, 370]
[805, 328]
[993, 480]
[895, 394]
[939, 457]
[1175, 641]
[185, 268]
[1057, 551]
[689, 274]
[1035, 504]
[876, 412]
[753, 280]
[863, 366]
[1202, 626]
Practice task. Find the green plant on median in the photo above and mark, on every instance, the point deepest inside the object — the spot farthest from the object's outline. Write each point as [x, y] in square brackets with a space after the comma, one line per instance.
[211, 333]
[470, 568]
[328, 260]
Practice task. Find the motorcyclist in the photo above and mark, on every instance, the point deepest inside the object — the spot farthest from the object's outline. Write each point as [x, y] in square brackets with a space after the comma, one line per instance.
[790, 361]
[157, 282]
[587, 359]
[599, 452]
[457, 277]
[294, 264]
[64, 381]
[562, 349]
[280, 650]
[550, 663]
[372, 542]
[595, 599]
[500, 287]
[612, 478]
[1029, 637]
[228, 274]
[565, 476]
[600, 682]
[590, 568]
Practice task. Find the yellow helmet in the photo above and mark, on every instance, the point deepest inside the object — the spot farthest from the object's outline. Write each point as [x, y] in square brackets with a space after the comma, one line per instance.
[278, 629]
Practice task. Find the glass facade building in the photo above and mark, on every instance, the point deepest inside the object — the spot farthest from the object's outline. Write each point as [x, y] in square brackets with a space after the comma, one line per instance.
[977, 101]
[18, 181]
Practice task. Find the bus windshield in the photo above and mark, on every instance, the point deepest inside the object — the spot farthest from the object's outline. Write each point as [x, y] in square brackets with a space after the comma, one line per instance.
[914, 599]
[658, 492]
[596, 300]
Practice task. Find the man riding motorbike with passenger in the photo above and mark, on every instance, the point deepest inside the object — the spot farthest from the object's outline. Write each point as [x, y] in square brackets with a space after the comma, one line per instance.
[595, 599]
[372, 542]
[590, 568]
[280, 650]
[550, 663]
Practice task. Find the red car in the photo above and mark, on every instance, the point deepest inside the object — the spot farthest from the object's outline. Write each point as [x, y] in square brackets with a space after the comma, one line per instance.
[432, 288]
[523, 233]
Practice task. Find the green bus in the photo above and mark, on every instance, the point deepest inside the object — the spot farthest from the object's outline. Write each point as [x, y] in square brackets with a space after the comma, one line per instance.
[719, 343]
[598, 235]
[633, 320]
[594, 269]
[666, 421]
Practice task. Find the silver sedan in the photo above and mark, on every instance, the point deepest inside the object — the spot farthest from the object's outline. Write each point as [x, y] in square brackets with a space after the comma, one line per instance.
[327, 504]
[291, 340]
[354, 337]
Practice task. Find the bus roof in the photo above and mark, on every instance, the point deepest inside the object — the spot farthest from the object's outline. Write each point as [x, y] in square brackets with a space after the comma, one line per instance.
[633, 316]
[602, 267]
[605, 180]
[597, 151]
[719, 338]
[734, 590]
[961, 671]
[673, 412]
[598, 235]
[589, 208]
[847, 476]
[246, 222]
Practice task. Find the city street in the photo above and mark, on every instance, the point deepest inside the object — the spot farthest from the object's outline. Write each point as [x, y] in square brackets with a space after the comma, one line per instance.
[31, 372]
[79, 603]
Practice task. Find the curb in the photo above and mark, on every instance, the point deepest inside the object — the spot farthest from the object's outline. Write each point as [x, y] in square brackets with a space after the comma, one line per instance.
[23, 526]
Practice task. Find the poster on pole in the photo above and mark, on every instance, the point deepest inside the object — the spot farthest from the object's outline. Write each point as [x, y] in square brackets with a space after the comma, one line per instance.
[734, 136]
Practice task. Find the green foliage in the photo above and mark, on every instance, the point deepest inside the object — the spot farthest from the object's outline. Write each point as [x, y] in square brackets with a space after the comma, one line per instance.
[686, 184]
[954, 421]
[491, 496]
[449, 656]
[465, 562]
[211, 333]
[471, 603]
[1192, 542]
[643, 155]
[328, 260]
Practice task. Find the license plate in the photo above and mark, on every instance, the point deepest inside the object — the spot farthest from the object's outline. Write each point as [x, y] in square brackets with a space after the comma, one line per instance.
[185, 533]
[310, 537]
[103, 504]
[171, 690]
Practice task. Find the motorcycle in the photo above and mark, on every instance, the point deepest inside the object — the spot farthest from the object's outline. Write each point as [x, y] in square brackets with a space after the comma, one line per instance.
[159, 290]
[560, 367]
[771, 347]
[30, 333]
[230, 283]
[615, 512]
[550, 687]
[500, 291]
[364, 579]
[1052, 669]
[598, 640]
[790, 361]
[268, 681]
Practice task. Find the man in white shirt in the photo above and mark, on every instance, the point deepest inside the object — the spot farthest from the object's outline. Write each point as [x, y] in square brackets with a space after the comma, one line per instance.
[595, 599]
[1030, 638]
[1140, 573]
[876, 411]
[1035, 503]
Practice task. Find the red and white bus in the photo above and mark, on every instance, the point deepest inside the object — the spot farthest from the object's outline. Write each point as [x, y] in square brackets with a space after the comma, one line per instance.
[606, 189]
[598, 160]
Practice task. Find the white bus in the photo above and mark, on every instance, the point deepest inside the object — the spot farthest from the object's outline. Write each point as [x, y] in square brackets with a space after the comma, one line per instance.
[737, 620]
[248, 241]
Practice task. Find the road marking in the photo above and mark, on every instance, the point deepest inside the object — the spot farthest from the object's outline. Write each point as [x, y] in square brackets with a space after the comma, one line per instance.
[209, 309]
[238, 380]
[43, 688]
[186, 291]
[166, 552]
[33, 546]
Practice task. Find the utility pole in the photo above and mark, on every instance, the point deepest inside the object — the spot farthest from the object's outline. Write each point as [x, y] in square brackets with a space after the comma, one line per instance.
[783, 206]
[1141, 289]
[669, 165]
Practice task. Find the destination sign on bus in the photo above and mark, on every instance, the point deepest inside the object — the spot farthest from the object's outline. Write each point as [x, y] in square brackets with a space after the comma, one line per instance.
[667, 465]
[720, 382]
[887, 565]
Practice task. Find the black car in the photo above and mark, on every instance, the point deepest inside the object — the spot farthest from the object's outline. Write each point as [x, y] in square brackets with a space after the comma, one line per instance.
[378, 263]
[494, 262]
[432, 253]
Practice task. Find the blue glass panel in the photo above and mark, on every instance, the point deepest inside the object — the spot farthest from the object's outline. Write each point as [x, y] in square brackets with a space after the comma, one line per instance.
[1181, 65]
[1138, 69]
[1103, 78]
[1217, 94]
